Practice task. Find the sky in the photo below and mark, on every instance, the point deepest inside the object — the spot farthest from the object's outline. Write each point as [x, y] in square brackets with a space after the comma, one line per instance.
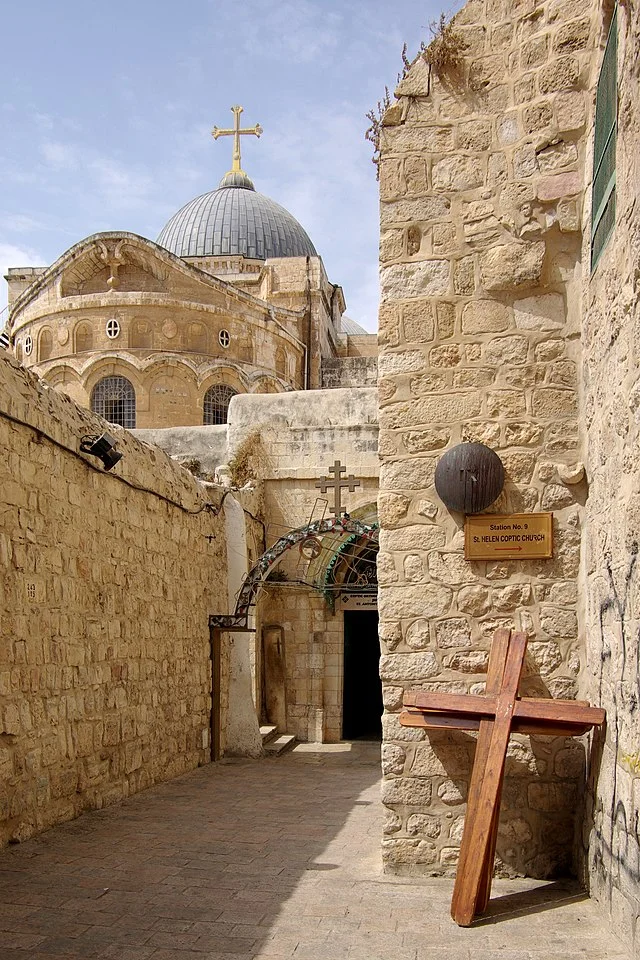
[106, 112]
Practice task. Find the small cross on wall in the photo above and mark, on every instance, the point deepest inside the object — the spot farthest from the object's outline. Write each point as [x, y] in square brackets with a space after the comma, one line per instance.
[337, 483]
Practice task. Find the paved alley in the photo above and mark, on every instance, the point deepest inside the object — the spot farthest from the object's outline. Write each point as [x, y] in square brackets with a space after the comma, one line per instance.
[277, 858]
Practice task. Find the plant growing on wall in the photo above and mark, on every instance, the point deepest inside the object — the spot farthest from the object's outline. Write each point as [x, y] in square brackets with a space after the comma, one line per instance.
[244, 466]
[445, 51]
[374, 131]
[444, 54]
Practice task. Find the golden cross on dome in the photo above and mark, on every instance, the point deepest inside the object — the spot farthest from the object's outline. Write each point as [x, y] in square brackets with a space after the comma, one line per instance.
[236, 133]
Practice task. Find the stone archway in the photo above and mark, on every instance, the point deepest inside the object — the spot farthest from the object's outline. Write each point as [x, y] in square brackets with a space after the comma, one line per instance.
[299, 595]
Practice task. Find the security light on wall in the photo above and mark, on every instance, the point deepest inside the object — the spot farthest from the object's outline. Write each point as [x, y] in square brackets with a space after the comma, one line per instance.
[103, 447]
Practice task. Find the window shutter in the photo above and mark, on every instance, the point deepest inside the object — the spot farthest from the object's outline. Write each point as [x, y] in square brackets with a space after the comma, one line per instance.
[603, 198]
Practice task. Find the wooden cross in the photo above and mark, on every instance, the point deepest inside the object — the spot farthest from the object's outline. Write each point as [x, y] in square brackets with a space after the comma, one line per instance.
[236, 133]
[337, 483]
[495, 716]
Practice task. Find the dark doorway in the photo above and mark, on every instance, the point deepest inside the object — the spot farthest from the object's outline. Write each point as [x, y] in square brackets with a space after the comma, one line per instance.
[362, 690]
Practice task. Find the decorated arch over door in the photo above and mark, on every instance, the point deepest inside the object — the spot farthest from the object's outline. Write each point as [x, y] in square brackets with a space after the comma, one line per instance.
[341, 532]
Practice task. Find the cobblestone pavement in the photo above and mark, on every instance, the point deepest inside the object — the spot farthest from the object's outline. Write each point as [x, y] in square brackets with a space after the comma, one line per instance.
[264, 859]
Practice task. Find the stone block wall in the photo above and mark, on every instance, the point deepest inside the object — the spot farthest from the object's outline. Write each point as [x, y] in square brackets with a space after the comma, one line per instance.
[481, 184]
[349, 372]
[301, 434]
[312, 638]
[611, 572]
[202, 449]
[106, 584]
[296, 438]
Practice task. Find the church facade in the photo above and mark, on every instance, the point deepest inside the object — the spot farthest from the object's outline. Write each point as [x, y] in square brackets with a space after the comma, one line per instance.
[233, 298]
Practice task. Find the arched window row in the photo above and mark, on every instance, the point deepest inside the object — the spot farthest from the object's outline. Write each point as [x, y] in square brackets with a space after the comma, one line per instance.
[141, 334]
[115, 399]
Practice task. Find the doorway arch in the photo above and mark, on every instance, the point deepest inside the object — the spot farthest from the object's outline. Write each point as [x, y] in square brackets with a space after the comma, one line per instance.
[316, 636]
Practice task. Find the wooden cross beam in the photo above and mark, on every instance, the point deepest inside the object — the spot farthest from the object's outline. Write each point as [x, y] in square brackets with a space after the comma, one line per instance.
[495, 716]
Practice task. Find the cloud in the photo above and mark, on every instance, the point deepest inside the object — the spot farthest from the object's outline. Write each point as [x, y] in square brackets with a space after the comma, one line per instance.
[50, 121]
[20, 223]
[330, 188]
[363, 297]
[115, 185]
[59, 156]
[44, 120]
[299, 30]
[123, 184]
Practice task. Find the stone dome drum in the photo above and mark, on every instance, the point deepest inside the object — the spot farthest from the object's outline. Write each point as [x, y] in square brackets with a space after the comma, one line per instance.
[235, 220]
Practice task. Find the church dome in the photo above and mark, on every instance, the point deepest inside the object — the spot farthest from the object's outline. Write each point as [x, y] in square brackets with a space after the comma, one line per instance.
[235, 220]
[350, 327]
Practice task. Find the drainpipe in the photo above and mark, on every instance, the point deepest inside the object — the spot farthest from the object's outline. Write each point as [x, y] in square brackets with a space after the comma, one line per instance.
[307, 372]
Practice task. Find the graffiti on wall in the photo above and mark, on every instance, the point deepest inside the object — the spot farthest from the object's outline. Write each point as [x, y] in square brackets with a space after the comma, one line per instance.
[617, 831]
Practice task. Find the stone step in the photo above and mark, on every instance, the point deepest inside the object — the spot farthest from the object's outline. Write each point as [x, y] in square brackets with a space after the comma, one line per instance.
[268, 732]
[274, 748]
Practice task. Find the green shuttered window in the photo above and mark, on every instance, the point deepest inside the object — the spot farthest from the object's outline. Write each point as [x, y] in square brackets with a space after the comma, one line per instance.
[603, 199]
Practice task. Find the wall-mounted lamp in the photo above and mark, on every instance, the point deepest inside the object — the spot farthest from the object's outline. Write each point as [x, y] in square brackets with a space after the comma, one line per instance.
[103, 447]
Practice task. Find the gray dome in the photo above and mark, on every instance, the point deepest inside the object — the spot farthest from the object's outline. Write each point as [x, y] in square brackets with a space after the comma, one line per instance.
[350, 327]
[232, 220]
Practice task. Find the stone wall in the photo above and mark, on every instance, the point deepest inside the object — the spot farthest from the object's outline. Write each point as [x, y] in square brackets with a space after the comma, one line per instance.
[349, 372]
[293, 439]
[611, 333]
[312, 640]
[201, 448]
[300, 436]
[106, 584]
[481, 182]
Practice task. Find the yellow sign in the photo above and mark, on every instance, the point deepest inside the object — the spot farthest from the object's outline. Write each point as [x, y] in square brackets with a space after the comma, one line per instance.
[519, 536]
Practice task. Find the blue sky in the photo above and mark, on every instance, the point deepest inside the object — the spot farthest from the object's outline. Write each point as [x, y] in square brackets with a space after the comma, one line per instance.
[106, 113]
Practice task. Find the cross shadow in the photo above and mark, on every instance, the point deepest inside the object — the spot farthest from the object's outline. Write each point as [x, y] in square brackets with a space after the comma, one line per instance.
[549, 896]
[216, 862]
[535, 843]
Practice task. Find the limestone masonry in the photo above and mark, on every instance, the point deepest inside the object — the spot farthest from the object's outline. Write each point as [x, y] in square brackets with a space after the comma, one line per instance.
[105, 671]
[493, 329]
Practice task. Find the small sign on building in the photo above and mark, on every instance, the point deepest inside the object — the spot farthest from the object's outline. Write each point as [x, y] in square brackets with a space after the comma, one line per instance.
[519, 536]
[359, 601]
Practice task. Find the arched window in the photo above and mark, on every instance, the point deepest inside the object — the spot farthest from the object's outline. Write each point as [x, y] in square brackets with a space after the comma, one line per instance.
[45, 345]
[84, 337]
[115, 399]
[216, 403]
